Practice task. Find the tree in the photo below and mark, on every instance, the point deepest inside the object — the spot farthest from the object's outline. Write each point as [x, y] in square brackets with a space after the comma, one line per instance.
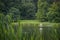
[48, 11]
[28, 9]
[42, 10]
[14, 13]
[53, 14]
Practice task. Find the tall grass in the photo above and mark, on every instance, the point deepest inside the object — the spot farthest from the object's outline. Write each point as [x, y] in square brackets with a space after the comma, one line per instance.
[29, 31]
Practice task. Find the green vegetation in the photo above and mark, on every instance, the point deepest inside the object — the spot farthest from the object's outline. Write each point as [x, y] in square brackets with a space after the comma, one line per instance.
[53, 15]
[31, 31]
[48, 12]
[29, 20]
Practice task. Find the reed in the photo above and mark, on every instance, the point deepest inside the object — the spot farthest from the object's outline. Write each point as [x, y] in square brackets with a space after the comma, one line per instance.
[29, 31]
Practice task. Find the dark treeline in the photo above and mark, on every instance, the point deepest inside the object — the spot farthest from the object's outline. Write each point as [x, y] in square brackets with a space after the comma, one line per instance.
[43, 10]
[24, 8]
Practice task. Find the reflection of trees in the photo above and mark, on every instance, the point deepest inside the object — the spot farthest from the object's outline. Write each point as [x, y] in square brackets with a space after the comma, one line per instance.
[49, 33]
[33, 32]
[30, 31]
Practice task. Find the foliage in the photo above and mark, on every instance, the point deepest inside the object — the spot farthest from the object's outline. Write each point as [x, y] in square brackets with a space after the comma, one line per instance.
[28, 31]
[48, 11]
[42, 10]
[14, 13]
[26, 8]
[53, 14]
[12, 28]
